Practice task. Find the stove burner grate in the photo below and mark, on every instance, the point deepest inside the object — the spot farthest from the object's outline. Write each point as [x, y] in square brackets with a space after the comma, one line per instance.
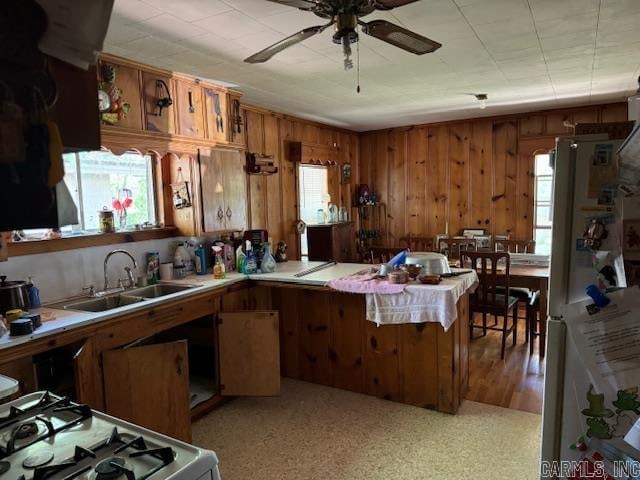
[110, 468]
[26, 430]
[45, 405]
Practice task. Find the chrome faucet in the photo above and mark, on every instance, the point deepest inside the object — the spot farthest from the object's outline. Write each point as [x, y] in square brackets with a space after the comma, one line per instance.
[130, 277]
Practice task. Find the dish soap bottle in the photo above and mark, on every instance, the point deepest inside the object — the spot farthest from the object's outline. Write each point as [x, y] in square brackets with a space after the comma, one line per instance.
[250, 266]
[34, 294]
[218, 267]
[268, 262]
[241, 259]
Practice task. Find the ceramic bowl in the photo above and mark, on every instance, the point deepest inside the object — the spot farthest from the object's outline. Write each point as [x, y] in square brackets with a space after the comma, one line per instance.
[413, 270]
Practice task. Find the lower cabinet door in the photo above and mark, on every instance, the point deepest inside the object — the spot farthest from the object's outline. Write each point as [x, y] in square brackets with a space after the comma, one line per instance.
[149, 386]
[249, 353]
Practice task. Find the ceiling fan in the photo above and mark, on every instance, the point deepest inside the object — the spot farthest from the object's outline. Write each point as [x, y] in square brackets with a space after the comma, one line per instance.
[345, 15]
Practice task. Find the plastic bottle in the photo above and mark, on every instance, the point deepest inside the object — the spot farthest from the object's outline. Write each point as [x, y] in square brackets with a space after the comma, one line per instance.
[34, 294]
[219, 272]
[200, 260]
[268, 262]
[250, 265]
[241, 259]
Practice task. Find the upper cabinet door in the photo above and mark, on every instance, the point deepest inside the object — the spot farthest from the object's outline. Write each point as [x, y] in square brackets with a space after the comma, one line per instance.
[157, 90]
[236, 131]
[190, 108]
[212, 206]
[235, 190]
[149, 386]
[123, 85]
[249, 353]
[215, 104]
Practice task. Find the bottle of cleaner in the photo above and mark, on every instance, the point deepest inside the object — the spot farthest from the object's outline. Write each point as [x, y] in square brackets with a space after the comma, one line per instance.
[268, 262]
[250, 265]
[241, 259]
[218, 267]
[200, 259]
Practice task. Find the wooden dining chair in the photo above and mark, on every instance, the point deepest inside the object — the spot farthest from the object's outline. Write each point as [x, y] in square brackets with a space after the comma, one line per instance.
[535, 324]
[377, 255]
[418, 244]
[486, 299]
[453, 247]
[515, 246]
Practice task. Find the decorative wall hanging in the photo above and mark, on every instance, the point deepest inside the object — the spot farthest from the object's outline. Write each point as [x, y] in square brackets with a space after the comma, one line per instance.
[180, 192]
[163, 97]
[112, 105]
[345, 173]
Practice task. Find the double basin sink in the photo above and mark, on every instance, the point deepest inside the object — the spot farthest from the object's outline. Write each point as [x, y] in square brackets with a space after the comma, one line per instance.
[128, 297]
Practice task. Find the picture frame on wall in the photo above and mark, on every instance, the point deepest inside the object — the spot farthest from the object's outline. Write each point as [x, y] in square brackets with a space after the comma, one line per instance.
[345, 173]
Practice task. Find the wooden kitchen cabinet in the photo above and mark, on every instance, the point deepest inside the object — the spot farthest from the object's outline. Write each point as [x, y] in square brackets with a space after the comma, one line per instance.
[331, 241]
[217, 119]
[156, 87]
[237, 126]
[128, 80]
[189, 108]
[149, 385]
[223, 191]
[249, 353]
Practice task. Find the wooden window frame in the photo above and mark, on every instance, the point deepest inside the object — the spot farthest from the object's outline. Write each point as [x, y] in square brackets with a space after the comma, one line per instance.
[32, 247]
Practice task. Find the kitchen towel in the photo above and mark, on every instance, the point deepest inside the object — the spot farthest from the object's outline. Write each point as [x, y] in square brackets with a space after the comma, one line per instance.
[365, 283]
[421, 303]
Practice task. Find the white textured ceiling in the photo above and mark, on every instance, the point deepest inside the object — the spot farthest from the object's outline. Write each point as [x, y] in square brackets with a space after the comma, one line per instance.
[526, 54]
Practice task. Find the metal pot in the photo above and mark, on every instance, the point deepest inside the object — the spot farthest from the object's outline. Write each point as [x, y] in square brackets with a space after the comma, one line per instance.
[13, 294]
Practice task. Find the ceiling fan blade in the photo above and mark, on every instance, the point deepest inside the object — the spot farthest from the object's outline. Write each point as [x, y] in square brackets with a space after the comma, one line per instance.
[391, 4]
[400, 37]
[303, 4]
[267, 53]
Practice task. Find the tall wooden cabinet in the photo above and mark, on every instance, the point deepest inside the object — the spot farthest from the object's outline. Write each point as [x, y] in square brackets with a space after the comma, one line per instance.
[223, 191]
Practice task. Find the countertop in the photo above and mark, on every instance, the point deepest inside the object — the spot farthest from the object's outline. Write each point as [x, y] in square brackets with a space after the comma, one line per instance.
[70, 319]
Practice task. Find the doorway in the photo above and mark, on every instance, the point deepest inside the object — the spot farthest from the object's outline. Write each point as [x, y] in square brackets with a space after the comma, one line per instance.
[313, 199]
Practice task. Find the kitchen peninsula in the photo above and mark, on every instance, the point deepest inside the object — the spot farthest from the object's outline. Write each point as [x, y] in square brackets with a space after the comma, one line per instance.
[330, 344]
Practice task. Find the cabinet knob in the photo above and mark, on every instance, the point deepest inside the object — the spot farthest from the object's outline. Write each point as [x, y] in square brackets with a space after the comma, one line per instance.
[220, 214]
[228, 212]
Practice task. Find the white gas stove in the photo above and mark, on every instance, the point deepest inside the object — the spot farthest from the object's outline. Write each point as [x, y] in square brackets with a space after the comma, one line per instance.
[44, 436]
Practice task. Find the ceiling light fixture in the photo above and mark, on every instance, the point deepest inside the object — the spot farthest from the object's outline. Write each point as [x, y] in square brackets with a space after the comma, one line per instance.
[482, 100]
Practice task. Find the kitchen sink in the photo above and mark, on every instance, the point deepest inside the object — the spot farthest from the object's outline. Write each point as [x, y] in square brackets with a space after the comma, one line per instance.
[105, 303]
[159, 290]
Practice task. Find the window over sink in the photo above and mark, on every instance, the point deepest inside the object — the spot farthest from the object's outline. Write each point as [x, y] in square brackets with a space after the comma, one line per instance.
[122, 183]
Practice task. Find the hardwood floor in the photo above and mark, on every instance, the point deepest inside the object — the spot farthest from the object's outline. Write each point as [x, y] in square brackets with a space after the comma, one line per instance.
[516, 382]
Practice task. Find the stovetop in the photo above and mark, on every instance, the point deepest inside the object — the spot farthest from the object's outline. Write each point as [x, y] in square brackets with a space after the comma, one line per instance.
[44, 436]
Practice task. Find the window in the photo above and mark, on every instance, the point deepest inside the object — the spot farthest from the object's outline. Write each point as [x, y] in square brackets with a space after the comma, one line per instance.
[543, 204]
[96, 179]
[314, 195]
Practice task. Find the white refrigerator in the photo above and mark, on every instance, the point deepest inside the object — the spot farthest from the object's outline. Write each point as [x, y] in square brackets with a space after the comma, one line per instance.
[583, 190]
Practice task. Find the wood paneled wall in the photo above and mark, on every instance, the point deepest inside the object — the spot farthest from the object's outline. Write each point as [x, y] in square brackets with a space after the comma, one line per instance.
[273, 199]
[472, 173]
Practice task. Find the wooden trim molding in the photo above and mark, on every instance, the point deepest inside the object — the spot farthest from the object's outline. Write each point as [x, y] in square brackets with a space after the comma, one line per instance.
[31, 247]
